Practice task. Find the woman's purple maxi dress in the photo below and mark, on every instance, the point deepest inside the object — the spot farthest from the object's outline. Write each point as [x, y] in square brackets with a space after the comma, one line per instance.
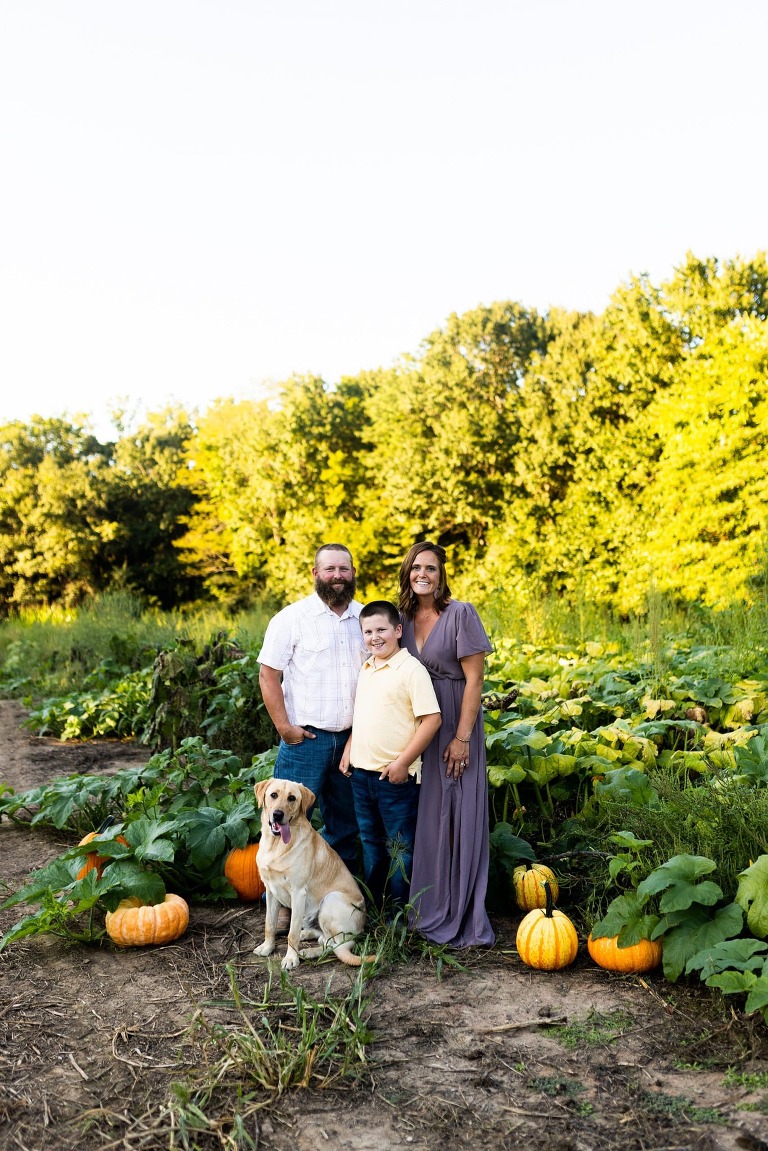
[450, 858]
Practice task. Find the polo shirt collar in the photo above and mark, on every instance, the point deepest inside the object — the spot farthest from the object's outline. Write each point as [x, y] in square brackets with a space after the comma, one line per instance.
[400, 656]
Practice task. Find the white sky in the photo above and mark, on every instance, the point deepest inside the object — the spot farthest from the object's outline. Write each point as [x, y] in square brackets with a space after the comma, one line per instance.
[200, 196]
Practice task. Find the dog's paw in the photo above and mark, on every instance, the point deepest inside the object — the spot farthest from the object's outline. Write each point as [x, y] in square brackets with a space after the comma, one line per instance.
[311, 952]
[291, 960]
[264, 948]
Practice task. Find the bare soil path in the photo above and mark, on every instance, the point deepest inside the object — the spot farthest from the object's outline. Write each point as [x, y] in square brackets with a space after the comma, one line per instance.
[493, 1056]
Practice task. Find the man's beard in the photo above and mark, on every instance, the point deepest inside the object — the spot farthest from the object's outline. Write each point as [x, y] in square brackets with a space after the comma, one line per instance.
[335, 596]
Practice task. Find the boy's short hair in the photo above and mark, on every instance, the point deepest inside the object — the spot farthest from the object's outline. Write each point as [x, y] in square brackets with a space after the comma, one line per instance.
[381, 607]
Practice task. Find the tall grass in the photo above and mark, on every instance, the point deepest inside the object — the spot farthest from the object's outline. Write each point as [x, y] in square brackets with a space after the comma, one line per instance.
[49, 651]
[736, 637]
[716, 816]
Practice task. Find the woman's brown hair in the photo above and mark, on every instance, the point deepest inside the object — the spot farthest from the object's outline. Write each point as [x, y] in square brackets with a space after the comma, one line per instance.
[408, 601]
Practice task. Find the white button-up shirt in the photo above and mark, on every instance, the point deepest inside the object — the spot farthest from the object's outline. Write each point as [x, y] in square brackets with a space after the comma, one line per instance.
[320, 655]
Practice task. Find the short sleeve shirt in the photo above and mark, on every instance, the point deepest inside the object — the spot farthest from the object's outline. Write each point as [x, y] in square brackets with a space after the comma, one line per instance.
[391, 699]
[320, 655]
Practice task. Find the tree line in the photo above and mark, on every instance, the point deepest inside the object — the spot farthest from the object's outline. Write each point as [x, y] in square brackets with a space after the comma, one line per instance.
[572, 454]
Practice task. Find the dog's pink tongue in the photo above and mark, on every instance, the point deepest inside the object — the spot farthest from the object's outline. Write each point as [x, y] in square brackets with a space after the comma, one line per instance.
[285, 832]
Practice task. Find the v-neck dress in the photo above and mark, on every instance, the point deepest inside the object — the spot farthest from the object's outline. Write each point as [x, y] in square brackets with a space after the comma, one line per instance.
[451, 851]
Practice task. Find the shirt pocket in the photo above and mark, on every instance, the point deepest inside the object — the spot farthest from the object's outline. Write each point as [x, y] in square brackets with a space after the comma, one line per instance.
[316, 650]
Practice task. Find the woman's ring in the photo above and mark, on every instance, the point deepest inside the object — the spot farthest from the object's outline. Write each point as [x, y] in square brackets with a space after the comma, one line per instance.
[463, 763]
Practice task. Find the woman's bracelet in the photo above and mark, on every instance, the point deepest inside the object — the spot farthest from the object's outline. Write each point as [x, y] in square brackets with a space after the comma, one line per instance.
[460, 739]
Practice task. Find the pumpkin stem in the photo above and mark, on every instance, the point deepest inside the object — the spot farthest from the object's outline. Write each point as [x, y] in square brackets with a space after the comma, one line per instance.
[548, 893]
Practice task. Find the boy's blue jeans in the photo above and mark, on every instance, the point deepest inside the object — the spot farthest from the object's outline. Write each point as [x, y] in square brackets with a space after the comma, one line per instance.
[386, 816]
[315, 763]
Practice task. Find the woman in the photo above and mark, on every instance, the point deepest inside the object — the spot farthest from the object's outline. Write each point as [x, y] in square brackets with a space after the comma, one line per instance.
[450, 862]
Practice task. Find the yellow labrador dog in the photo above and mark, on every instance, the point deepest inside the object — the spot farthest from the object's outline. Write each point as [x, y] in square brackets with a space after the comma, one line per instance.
[301, 871]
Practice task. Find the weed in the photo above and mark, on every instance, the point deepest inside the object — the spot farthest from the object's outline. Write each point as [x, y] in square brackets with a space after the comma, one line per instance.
[553, 1085]
[284, 1041]
[396, 941]
[750, 1081]
[717, 817]
[678, 1108]
[559, 1086]
[596, 1028]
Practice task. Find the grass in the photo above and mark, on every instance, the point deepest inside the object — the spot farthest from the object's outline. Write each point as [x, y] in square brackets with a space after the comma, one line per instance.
[596, 1029]
[46, 652]
[727, 825]
[297, 1041]
[287, 1040]
[750, 1081]
[559, 1087]
[678, 1108]
[396, 942]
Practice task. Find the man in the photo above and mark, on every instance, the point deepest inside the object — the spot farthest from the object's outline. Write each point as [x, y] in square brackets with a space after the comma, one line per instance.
[310, 661]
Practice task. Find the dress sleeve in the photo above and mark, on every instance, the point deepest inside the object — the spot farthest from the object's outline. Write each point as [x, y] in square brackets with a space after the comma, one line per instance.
[470, 633]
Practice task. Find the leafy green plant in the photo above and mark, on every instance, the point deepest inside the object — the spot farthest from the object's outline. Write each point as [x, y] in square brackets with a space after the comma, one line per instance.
[687, 926]
[507, 851]
[179, 816]
[68, 906]
[597, 1028]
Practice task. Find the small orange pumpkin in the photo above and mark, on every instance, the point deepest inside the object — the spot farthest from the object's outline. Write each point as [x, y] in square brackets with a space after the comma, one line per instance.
[93, 859]
[135, 924]
[642, 956]
[528, 883]
[242, 871]
[546, 939]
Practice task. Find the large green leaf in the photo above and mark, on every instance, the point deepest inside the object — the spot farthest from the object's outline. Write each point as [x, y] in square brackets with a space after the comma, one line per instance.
[752, 895]
[125, 879]
[519, 735]
[626, 918]
[737, 982]
[627, 785]
[150, 839]
[500, 774]
[688, 932]
[204, 836]
[508, 849]
[678, 880]
[56, 876]
[730, 954]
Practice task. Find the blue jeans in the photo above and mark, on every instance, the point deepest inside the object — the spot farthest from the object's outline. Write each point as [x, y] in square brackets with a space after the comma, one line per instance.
[315, 763]
[386, 816]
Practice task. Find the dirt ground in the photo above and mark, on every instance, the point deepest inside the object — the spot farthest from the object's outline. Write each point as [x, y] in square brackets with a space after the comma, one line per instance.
[92, 1039]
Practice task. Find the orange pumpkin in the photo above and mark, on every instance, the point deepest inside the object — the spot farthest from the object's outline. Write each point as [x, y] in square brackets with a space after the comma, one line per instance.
[546, 939]
[93, 859]
[135, 924]
[642, 956]
[528, 882]
[242, 871]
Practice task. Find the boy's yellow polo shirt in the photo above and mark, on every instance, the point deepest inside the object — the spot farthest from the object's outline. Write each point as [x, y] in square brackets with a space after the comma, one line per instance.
[390, 700]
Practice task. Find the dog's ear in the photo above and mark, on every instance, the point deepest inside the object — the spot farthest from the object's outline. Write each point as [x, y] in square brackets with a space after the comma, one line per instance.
[260, 790]
[307, 799]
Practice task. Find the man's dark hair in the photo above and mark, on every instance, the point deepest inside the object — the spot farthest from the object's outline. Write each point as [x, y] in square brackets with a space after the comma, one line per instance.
[381, 607]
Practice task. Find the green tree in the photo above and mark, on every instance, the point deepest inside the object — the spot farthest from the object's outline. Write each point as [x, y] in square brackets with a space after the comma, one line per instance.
[273, 480]
[149, 494]
[445, 426]
[53, 517]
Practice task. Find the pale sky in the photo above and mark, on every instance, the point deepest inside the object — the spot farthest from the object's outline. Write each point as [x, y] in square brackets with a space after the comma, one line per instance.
[199, 197]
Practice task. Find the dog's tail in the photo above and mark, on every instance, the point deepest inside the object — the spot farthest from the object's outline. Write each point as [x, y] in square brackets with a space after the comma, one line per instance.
[344, 952]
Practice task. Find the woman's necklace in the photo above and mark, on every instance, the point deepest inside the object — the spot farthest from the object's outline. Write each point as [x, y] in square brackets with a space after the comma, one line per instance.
[424, 620]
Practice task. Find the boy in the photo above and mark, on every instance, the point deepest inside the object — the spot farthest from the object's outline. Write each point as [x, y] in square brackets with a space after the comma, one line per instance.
[396, 716]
